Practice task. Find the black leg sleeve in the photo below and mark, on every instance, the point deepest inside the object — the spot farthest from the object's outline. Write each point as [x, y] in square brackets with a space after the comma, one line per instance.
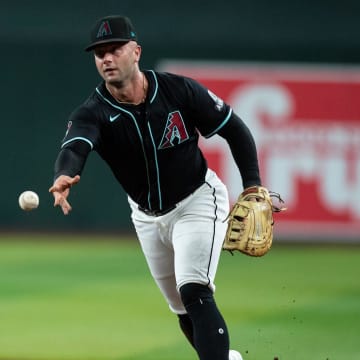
[187, 327]
[211, 338]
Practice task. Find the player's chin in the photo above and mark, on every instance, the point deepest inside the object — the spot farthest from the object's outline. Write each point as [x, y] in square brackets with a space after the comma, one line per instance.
[111, 78]
[114, 81]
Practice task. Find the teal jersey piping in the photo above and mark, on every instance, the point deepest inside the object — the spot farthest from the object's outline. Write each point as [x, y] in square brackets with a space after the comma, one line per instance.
[220, 126]
[78, 138]
[157, 168]
[156, 86]
[139, 133]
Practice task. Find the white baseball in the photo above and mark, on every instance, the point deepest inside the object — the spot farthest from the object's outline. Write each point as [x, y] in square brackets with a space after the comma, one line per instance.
[29, 200]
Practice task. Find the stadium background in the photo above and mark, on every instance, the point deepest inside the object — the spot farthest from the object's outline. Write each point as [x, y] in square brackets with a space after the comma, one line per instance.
[45, 74]
[74, 296]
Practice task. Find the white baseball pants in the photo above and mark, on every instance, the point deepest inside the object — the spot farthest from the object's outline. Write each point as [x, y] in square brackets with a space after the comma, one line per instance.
[184, 245]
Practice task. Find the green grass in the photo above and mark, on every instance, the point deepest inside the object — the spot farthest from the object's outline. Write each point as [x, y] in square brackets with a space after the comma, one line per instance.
[91, 299]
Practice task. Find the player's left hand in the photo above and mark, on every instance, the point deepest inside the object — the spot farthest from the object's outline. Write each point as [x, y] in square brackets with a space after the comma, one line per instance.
[250, 222]
[61, 190]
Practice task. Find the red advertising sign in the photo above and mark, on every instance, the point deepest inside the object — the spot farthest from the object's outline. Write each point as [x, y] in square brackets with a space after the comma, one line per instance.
[306, 123]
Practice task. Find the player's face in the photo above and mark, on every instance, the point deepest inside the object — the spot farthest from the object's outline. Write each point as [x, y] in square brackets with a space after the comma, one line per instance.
[116, 62]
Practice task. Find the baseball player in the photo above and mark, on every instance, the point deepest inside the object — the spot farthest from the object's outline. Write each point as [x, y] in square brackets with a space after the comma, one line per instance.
[145, 125]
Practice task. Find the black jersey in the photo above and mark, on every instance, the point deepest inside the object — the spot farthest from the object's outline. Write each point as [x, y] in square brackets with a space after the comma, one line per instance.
[152, 148]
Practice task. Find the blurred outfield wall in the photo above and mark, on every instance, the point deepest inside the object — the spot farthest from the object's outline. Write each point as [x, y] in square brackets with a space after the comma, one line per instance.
[45, 74]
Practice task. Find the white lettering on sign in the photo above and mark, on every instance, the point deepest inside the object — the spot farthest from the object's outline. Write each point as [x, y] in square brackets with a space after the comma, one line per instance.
[325, 152]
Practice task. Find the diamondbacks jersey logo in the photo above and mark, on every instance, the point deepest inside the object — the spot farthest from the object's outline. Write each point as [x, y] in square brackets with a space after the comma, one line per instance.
[175, 131]
[104, 29]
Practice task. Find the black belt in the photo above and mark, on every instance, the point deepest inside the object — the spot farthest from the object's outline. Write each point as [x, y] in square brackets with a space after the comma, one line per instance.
[156, 212]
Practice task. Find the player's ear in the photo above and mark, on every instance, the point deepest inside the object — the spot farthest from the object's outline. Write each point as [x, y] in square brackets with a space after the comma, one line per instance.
[137, 51]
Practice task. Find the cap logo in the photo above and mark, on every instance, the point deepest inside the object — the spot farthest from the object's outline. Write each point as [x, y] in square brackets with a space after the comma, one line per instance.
[104, 29]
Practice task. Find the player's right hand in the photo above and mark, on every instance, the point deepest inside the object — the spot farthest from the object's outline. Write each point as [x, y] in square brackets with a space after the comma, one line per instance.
[61, 190]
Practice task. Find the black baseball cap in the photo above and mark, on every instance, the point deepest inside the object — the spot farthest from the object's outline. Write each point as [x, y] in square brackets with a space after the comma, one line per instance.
[113, 28]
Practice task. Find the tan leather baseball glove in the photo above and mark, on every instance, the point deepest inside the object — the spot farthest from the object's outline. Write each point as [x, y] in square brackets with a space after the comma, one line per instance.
[250, 222]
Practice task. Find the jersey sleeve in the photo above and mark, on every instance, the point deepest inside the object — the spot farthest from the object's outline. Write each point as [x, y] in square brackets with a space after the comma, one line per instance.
[82, 126]
[211, 112]
[243, 149]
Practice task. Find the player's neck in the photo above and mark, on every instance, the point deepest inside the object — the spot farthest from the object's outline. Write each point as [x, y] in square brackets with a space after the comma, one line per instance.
[134, 93]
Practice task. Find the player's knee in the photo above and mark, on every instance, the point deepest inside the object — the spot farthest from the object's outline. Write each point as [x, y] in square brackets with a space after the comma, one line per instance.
[194, 293]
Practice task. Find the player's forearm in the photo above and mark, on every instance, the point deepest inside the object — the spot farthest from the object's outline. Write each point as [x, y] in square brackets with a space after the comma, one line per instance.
[243, 149]
[70, 161]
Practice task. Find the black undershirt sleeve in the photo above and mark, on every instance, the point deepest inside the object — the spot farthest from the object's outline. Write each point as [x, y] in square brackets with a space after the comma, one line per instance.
[243, 149]
[71, 159]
